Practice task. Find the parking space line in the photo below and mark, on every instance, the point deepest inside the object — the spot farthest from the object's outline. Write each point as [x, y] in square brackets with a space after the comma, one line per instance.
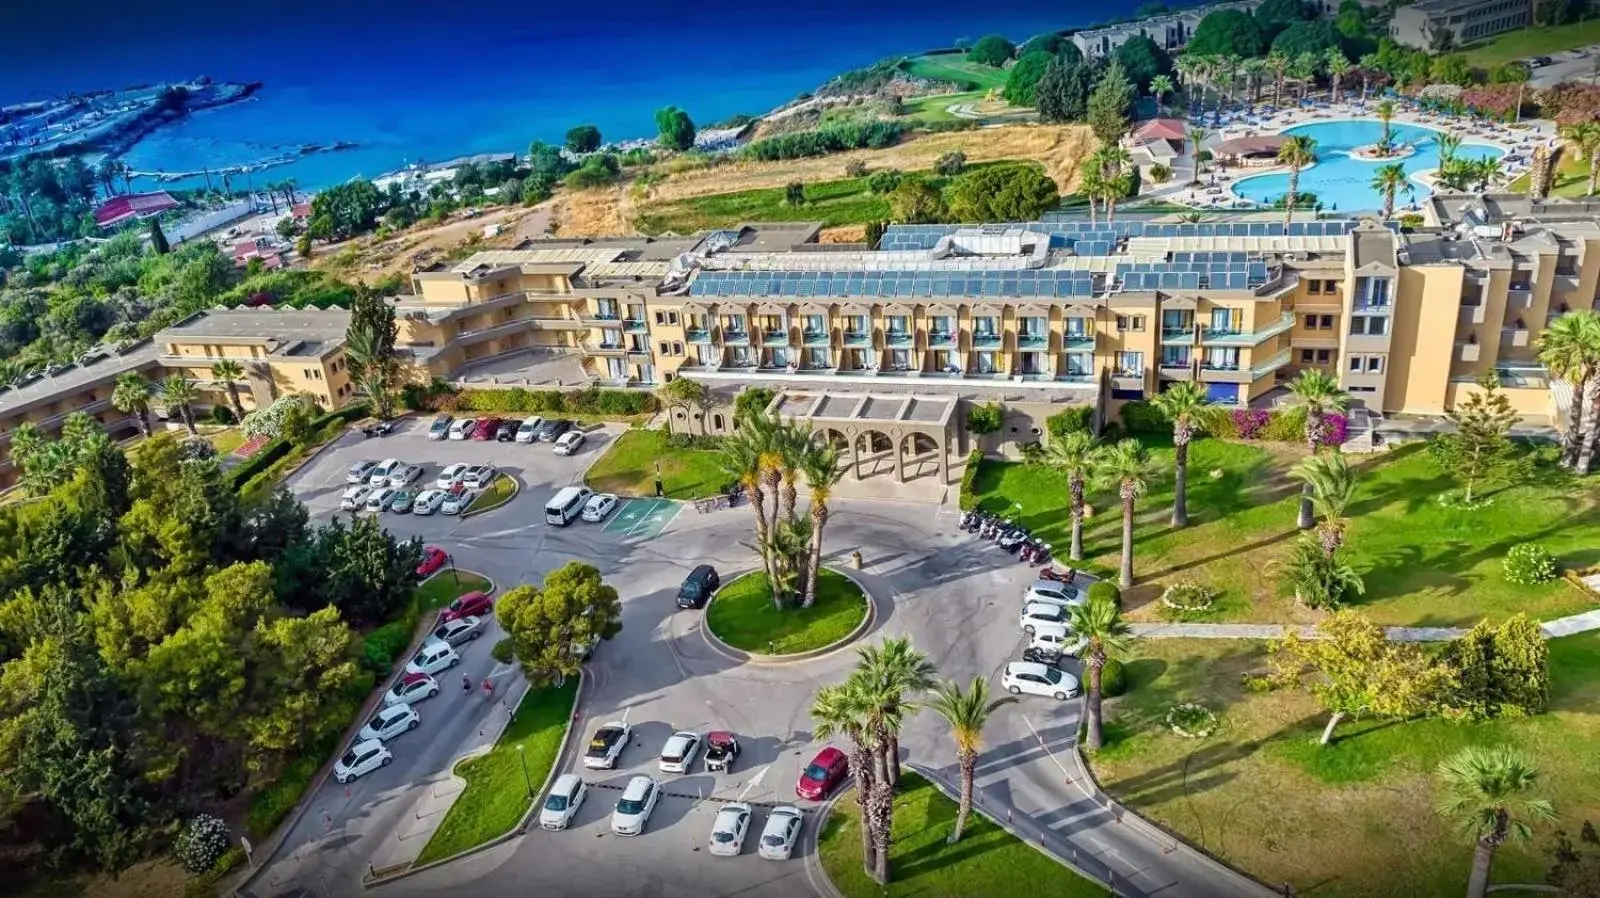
[655, 518]
[626, 516]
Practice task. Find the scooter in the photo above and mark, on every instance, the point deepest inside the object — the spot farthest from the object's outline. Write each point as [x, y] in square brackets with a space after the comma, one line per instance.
[1011, 541]
[1041, 655]
[990, 527]
[968, 519]
[1050, 573]
[1025, 552]
[1041, 553]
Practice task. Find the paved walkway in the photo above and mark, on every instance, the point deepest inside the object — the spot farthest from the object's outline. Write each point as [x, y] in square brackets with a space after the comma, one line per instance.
[1564, 626]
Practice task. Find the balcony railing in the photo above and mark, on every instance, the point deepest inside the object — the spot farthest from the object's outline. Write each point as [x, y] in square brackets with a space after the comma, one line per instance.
[1076, 377]
[735, 336]
[1514, 336]
[1270, 364]
[897, 338]
[1033, 341]
[1228, 337]
[587, 316]
[594, 348]
[1473, 313]
[697, 334]
[1468, 352]
[777, 337]
[858, 339]
[815, 337]
[1078, 341]
[1183, 334]
[635, 326]
[1519, 296]
[943, 339]
[988, 340]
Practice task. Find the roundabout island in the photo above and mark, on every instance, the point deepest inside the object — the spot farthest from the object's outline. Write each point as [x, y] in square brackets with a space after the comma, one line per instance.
[743, 617]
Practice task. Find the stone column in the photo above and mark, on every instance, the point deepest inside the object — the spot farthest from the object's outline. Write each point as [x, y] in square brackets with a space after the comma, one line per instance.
[899, 461]
[855, 453]
[944, 460]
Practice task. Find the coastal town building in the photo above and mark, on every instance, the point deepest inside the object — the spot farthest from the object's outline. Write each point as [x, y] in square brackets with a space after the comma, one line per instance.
[885, 347]
[132, 206]
[1435, 24]
[1170, 31]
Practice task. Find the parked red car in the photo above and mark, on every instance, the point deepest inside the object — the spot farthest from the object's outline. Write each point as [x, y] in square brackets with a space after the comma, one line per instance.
[827, 770]
[473, 604]
[433, 558]
[485, 429]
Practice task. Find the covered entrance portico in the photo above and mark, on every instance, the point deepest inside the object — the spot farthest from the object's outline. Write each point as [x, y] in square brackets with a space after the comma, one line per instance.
[907, 436]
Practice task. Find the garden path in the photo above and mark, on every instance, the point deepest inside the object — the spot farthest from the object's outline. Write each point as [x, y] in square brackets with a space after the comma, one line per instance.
[1564, 626]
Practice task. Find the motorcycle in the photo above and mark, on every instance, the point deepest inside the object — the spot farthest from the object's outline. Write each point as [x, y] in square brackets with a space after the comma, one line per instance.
[1050, 573]
[967, 521]
[1025, 552]
[380, 429]
[1014, 538]
[1041, 553]
[1041, 655]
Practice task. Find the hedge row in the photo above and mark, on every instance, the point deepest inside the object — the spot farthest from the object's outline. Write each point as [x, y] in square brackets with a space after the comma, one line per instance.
[969, 477]
[1071, 420]
[587, 401]
[1140, 418]
[274, 450]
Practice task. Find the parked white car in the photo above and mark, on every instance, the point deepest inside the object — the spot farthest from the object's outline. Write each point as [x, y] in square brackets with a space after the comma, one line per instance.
[1056, 639]
[359, 472]
[481, 476]
[1049, 592]
[569, 442]
[428, 502]
[462, 629]
[1038, 679]
[1036, 613]
[450, 476]
[607, 745]
[411, 688]
[461, 428]
[362, 759]
[433, 657]
[728, 831]
[355, 497]
[381, 498]
[598, 507]
[561, 805]
[679, 752]
[781, 833]
[380, 475]
[528, 430]
[456, 503]
[633, 809]
[404, 474]
[390, 721]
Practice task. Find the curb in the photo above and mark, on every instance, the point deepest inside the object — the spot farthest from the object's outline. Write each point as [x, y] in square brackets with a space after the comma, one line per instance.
[516, 489]
[728, 651]
[521, 826]
[816, 872]
[368, 705]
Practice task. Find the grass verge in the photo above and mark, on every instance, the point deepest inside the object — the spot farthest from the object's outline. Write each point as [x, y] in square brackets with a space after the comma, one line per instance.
[1525, 42]
[497, 794]
[445, 587]
[498, 494]
[955, 68]
[987, 861]
[226, 441]
[743, 615]
[1424, 564]
[628, 468]
[1355, 819]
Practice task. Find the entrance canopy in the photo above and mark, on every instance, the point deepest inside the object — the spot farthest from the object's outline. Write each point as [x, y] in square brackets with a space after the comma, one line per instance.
[895, 430]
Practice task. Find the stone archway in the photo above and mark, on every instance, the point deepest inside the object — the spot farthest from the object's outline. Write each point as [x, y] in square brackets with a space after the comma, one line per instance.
[920, 456]
[873, 453]
[844, 444]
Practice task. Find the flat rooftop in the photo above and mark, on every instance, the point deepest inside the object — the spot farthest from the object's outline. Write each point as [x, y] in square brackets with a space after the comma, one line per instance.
[73, 378]
[284, 331]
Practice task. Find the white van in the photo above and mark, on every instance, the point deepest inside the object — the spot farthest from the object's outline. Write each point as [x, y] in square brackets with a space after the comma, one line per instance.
[566, 505]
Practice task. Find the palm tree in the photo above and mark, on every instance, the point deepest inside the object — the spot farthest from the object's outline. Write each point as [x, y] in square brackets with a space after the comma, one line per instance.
[1092, 184]
[967, 712]
[1486, 170]
[792, 441]
[179, 395]
[1586, 137]
[1279, 64]
[230, 372]
[741, 460]
[1570, 349]
[1228, 69]
[1098, 622]
[1297, 152]
[820, 464]
[1075, 456]
[840, 710]
[1486, 793]
[1197, 137]
[1304, 69]
[1337, 66]
[1386, 180]
[131, 396]
[1333, 488]
[1128, 466]
[1160, 86]
[1369, 64]
[893, 671]
[1183, 404]
[1255, 71]
[1385, 112]
[768, 438]
[1317, 393]
[1449, 145]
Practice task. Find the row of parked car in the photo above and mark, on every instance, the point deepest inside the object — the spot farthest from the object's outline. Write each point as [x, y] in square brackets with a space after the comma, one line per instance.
[391, 485]
[508, 430]
[462, 622]
[1050, 640]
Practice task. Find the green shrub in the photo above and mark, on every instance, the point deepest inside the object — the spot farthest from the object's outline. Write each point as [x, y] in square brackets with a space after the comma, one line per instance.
[221, 414]
[1071, 420]
[502, 651]
[1285, 427]
[1140, 418]
[589, 400]
[1106, 589]
[1113, 679]
[751, 401]
[262, 459]
[986, 418]
[1032, 452]
[1528, 564]
[382, 646]
[969, 499]
[201, 844]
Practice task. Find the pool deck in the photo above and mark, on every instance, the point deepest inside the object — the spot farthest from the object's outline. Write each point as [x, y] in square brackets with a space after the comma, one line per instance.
[1520, 140]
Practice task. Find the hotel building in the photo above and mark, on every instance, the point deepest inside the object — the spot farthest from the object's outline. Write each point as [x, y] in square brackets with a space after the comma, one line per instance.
[1418, 24]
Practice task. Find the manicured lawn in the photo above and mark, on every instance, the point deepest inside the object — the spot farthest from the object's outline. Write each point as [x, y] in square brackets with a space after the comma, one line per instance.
[1423, 564]
[498, 494]
[629, 468]
[1571, 180]
[226, 441]
[1525, 42]
[936, 108]
[955, 67]
[742, 615]
[496, 795]
[1355, 819]
[987, 861]
[446, 587]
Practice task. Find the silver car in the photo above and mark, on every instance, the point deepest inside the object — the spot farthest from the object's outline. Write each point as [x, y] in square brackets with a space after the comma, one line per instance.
[404, 475]
[462, 629]
[428, 502]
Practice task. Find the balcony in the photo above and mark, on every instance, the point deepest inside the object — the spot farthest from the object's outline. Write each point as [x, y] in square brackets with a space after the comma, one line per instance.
[1219, 337]
[1270, 364]
[1178, 334]
[1076, 377]
[1177, 370]
[1078, 341]
[603, 349]
[943, 340]
[742, 363]
[897, 338]
[858, 339]
[732, 336]
[1471, 314]
[779, 337]
[815, 338]
[1519, 296]
[1566, 283]
[635, 326]
[988, 340]
[598, 318]
[1033, 342]
[697, 335]
[1514, 336]
[1224, 374]
[1127, 380]
[1468, 352]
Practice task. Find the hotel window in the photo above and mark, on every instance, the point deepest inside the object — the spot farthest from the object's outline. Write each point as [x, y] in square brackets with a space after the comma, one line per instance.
[1311, 322]
[677, 349]
[1375, 364]
[665, 348]
[1324, 356]
[817, 358]
[942, 324]
[1222, 320]
[1369, 325]
[1080, 364]
[900, 360]
[1313, 287]
[1306, 356]
[899, 324]
[1174, 356]
[1077, 326]
[816, 324]
[1326, 322]
[986, 363]
[1122, 323]
[857, 324]
[1138, 324]
[1032, 326]
[984, 325]
[1130, 363]
[1356, 364]
[1227, 359]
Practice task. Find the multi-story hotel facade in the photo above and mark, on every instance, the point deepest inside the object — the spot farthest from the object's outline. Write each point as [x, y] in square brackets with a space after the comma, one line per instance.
[895, 342]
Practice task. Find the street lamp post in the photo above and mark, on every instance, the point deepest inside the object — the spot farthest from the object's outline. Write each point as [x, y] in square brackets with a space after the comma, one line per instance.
[523, 760]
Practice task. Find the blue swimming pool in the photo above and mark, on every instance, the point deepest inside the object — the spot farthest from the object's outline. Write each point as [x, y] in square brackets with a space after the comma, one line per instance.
[1342, 182]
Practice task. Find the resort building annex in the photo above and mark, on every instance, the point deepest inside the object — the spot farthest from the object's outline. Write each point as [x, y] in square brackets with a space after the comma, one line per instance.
[1036, 316]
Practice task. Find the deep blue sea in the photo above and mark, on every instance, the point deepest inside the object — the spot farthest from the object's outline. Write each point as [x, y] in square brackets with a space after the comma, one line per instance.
[427, 81]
